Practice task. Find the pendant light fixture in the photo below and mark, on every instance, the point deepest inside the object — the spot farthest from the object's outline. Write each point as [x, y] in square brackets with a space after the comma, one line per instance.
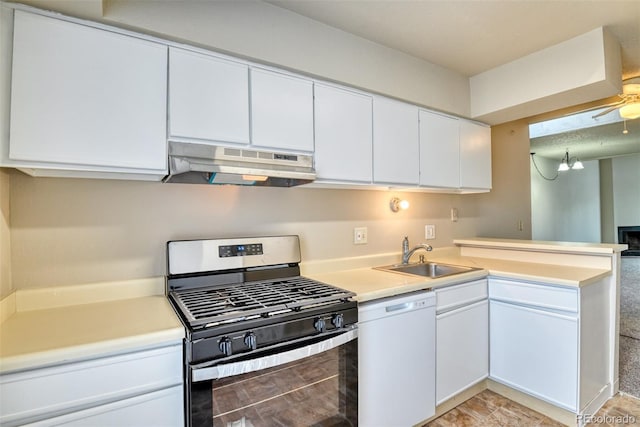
[569, 163]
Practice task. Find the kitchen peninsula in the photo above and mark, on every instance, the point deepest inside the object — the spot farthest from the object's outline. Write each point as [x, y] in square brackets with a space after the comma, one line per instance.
[563, 286]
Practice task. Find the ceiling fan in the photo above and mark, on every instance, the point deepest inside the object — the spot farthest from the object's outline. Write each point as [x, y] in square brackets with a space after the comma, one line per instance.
[629, 104]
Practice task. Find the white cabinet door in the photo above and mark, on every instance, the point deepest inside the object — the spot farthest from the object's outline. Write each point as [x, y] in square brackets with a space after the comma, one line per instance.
[535, 351]
[439, 150]
[462, 349]
[85, 96]
[475, 155]
[343, 135]
[163, 408]
[395, 142]
[281, 111]
[95, 383]
[208, 98]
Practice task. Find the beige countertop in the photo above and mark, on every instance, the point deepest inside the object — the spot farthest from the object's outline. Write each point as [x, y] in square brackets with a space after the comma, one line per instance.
[562, 275]
[57, 325]
[40, 336]
[370, 284]
[543, 245]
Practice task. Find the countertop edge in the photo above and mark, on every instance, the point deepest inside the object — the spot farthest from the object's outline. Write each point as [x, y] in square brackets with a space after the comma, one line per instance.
[426, 285]
[542, 245]
[553, 281]
[91, 351]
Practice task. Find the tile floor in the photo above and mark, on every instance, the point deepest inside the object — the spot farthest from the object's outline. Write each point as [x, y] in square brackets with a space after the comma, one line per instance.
[488, 409]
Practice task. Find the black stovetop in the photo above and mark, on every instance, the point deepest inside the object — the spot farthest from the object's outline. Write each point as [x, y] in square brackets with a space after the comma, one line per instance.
[209, 306]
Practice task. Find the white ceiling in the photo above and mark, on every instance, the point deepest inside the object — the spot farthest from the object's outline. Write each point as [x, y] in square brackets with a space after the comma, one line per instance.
[475, 36]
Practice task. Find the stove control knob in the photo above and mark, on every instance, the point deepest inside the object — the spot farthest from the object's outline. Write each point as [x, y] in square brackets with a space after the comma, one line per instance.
[225, 346]
[338, 320]
[250, 340]
[319, 324]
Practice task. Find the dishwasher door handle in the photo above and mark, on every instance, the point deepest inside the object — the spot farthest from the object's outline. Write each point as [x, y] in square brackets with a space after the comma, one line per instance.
[398, 307]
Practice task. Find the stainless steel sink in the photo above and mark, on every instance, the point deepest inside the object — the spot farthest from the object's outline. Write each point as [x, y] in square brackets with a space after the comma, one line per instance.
[432, 270]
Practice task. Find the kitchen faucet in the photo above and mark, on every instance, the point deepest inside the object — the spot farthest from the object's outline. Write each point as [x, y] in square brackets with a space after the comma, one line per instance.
[406, 252]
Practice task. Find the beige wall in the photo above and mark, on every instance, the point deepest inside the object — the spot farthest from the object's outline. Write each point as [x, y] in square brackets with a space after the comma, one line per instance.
[74, 231]
[509, 202]
[5, 238]
[268, 34]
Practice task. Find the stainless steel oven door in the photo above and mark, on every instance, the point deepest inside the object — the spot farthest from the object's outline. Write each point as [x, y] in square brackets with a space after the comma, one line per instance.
[311, 383]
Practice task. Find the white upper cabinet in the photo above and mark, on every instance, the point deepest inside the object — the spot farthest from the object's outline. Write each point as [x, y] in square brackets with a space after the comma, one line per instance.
[395, 142]
[343, 135]
[281, 111]
[208, 98]
[475, 155]
[439, 150]
[86, 99]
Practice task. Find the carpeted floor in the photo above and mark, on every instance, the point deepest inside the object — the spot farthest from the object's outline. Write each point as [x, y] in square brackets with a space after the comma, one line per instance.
[630, 325]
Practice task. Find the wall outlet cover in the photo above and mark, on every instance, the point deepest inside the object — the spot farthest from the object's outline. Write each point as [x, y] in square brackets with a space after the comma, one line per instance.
[360, 236]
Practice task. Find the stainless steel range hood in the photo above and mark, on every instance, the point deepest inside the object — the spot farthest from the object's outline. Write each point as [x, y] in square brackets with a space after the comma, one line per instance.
[208, 164]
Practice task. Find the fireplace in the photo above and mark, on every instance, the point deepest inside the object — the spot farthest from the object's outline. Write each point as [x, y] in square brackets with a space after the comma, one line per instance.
[631, 237]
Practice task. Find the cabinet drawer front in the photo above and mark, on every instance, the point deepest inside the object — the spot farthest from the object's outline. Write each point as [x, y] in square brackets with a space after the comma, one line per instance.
[545, 296]
[162, 408]
[450, 297]
[42, 393]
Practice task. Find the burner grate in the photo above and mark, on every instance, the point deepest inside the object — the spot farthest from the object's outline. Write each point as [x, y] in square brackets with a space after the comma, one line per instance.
[216, 305]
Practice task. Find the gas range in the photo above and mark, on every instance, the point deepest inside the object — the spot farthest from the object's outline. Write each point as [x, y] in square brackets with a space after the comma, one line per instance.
[244, 295]
[259, 334]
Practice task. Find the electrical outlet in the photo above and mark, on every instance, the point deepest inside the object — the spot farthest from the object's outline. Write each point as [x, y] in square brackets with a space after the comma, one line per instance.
[454, 214]
[360, 236]
[520, 225]
[430, 232]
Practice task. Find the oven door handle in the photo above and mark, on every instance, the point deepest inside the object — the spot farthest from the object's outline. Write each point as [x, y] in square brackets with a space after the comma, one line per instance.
[252, 365]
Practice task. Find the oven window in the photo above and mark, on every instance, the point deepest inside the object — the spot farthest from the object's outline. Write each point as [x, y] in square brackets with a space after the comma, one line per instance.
[320, 390]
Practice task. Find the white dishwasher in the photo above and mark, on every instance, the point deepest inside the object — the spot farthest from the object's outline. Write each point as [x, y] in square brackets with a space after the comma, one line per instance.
[397, 360]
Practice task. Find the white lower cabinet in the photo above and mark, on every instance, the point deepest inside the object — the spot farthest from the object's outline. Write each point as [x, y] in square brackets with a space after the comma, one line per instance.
[152, 409]
[462, 338]
[462, 355]
[551, 342]
[142, 388]
[535, 351]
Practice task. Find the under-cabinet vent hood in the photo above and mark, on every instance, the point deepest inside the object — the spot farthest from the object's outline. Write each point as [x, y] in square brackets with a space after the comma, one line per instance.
[208, 164]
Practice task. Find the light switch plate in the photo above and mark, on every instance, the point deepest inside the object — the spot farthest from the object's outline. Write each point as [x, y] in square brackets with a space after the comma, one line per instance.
[454, 214]
[429, 231]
